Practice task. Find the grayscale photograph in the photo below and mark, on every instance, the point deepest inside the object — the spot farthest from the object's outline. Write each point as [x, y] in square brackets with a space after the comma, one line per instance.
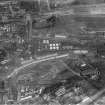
[52, 52]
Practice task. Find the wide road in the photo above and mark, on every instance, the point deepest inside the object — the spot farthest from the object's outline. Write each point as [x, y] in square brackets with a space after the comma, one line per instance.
[23, 67]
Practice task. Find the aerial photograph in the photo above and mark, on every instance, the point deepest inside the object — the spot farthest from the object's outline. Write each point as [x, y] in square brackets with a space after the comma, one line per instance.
[52, 52]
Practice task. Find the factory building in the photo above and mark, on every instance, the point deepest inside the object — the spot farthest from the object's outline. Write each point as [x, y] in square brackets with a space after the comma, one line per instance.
[49, 46]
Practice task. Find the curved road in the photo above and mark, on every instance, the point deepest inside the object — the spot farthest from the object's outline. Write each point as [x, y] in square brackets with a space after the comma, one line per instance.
[17, 70]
